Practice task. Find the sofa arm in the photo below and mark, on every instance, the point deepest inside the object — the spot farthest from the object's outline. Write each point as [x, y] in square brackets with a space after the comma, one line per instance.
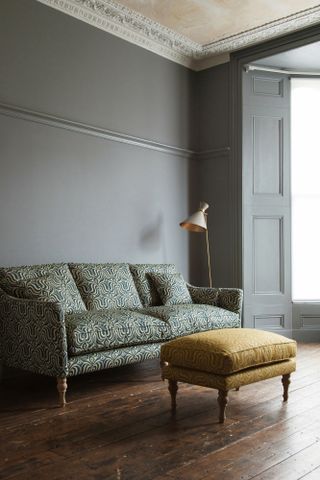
[227, 298]
[33, 335]
[231, 299]
[205, 295]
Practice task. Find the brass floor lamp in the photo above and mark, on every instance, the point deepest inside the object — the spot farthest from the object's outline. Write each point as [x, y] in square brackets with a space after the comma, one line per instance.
[198, 222]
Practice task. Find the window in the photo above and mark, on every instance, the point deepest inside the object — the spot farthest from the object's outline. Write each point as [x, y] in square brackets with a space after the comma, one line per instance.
[305, 188]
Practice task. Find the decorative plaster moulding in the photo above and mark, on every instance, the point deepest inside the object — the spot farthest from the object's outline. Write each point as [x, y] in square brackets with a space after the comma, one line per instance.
[130, 25]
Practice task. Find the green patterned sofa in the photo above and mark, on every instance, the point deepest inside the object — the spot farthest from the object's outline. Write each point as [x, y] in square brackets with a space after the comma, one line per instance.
[66, 319]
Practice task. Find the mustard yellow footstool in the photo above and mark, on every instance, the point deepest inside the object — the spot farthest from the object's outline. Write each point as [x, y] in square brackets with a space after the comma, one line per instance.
[227, 359]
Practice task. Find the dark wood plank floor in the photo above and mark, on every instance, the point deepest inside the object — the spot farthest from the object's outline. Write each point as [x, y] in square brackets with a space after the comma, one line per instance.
[117, 425]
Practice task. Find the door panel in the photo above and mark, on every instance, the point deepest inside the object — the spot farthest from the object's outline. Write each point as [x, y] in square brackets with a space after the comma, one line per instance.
[267, 137]
[264, 88]
[266, 202]
[266, 155]
[268, 265]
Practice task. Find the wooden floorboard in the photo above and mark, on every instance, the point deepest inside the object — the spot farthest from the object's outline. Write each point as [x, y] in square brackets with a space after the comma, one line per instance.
[118, 426]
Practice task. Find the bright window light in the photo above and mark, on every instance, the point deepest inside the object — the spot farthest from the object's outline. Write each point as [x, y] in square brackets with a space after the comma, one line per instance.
[305, 189]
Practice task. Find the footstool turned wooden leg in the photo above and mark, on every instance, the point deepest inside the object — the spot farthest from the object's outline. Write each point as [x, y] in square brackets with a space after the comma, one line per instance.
[285, 382]
[173, 388]
[222, 401]
[237, 389]
[62, 388]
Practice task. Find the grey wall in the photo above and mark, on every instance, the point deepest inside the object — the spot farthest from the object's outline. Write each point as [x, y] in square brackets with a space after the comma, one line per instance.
[66, 195]
[214, 176]
[57, 64]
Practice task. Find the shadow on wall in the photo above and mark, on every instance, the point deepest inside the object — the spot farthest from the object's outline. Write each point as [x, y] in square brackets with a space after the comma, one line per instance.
[152, 238]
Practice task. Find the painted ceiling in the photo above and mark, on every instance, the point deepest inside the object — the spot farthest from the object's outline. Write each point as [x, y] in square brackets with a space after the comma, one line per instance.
[194, 33]
[207, 21]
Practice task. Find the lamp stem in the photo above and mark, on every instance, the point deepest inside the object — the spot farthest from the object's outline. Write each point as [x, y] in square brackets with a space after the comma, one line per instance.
[208, 256]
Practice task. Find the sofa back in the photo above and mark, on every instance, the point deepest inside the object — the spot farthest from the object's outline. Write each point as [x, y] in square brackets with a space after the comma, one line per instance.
[105, 285]
[81, 286]
[51, 282]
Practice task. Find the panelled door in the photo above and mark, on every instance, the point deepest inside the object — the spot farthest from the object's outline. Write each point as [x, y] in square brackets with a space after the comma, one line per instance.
[266, 202]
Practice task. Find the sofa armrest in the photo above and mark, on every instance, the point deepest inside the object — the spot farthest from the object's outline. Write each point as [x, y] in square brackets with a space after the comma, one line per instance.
[231, 299]
[33, 335]
[227, 298]
[205, 295]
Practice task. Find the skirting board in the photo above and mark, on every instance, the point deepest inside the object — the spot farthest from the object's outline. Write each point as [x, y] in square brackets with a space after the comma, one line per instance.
[299, 335]
[306, 335]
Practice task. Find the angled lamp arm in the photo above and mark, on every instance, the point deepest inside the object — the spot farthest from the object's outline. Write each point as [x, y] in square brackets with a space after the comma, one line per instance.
[198, 222]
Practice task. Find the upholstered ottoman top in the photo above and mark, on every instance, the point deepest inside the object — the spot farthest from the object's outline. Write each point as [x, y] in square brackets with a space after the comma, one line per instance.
[227, 351]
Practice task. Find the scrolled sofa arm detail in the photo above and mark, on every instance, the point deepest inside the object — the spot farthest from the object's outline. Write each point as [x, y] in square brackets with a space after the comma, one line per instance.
[230, 299]
[33, 335]
[205, 295]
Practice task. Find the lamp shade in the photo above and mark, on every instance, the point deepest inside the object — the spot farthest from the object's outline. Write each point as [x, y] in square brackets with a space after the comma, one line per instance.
[197, 222]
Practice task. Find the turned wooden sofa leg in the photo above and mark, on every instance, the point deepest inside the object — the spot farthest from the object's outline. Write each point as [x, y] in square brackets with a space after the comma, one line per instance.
[222, 401]
[62, 388]
[285, 382]
[173, 388]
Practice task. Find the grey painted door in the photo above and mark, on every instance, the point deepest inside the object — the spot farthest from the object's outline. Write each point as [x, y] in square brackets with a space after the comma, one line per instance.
[266, 202]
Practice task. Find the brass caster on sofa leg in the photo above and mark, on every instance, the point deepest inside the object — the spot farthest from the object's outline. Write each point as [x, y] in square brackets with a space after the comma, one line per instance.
[173, 388]
[285, 382]
[62, 388]
[222, 401]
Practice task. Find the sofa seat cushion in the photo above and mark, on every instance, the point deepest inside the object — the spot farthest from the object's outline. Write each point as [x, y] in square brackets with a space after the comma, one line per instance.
[105, 285]
[94, 331]
[224, 352]
[146, 288]
[186, 319]
[47, 282]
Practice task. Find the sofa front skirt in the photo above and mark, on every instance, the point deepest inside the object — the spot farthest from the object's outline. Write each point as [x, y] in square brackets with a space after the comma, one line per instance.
[93, 362]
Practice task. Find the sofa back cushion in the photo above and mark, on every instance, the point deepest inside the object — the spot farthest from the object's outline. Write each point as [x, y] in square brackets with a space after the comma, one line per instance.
[105, 285]
[49, 288]
[172, 288]
[51, 282]
[145, 286]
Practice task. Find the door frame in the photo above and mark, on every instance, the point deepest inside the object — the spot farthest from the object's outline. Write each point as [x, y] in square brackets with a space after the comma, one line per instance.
[237, 61]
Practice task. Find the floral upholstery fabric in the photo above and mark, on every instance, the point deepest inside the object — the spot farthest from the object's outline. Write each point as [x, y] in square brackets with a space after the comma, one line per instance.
[187, 319]
[172, 288]
[146, 288]
[227, 351]
[49, 288]
[228, 382]
[105, 285]
[13, 278]
[33, 336]
[104, 330]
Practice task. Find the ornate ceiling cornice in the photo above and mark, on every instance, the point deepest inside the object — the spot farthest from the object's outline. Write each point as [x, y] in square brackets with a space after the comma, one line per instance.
[129, 25]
